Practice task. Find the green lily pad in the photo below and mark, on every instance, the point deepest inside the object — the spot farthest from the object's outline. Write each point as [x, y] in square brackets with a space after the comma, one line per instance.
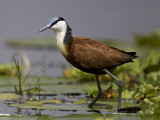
[80, 101]
[9, 96]
[37, 103]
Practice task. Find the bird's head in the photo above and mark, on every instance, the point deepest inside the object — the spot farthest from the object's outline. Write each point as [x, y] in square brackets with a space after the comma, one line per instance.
[61, 28]
[57, 24]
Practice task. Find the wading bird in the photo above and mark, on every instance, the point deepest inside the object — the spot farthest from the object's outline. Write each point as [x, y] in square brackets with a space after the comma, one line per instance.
[89, 55]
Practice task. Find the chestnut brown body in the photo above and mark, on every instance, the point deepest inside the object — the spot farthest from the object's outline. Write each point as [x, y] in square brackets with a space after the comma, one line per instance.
[94, 57]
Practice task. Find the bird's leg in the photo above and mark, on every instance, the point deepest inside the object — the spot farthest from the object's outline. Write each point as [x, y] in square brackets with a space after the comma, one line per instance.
[99, 93]
[119, 83]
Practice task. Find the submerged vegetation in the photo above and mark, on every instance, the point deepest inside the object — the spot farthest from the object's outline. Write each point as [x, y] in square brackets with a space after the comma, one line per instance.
[34, 43]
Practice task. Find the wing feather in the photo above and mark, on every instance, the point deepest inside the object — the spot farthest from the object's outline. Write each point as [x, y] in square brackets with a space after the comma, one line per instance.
[92, 54]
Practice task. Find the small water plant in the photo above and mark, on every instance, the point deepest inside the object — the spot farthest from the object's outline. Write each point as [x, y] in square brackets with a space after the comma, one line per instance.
[33, 93]
[21, 80]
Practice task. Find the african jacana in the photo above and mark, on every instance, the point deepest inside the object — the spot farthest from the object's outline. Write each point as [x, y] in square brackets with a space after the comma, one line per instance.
[89, 55]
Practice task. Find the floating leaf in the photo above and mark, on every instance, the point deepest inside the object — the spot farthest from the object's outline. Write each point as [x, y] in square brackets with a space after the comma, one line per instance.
[9, 96]
[127, 94]
[80, 101]
[157, 98]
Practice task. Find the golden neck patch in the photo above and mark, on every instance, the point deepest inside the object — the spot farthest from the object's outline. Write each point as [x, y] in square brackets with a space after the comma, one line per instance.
[64, 49]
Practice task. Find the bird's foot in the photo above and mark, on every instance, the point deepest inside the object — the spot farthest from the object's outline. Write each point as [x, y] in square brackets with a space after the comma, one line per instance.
[90, 105]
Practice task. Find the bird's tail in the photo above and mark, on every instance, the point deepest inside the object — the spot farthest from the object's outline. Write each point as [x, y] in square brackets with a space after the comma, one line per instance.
[133, 54]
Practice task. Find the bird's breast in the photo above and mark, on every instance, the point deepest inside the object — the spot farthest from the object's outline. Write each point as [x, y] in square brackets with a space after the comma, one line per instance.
[64, 49]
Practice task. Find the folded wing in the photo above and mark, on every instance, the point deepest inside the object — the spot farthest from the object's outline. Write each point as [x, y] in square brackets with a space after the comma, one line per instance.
[91, 54]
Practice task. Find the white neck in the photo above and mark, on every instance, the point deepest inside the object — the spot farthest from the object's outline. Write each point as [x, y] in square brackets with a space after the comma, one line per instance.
[60, 29]
[60, 39]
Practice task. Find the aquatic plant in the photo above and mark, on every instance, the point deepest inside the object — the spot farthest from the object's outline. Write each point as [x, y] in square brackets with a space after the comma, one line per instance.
[7, 70]
[148, 39]
[21, 81]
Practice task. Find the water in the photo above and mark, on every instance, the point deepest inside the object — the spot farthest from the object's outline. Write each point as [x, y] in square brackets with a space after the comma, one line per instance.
[52, 62]
[7, 110]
